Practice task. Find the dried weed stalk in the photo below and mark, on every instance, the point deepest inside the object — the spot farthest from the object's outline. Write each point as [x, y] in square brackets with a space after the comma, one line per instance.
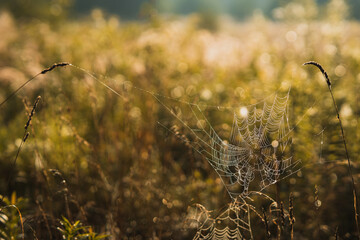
[344, 141]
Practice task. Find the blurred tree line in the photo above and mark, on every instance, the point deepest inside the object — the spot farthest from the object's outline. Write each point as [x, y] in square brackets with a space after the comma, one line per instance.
[239, 9]
[38, 9]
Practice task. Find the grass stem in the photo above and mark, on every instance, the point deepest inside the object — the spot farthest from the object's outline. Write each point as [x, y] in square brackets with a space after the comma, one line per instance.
[344, 141]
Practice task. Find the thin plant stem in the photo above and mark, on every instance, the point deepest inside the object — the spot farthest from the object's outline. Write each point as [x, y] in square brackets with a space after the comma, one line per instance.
[344, 142]
[20, 216]
[25, 137]
[336, 233]
[46, 70]
[277, 186]
[268, 235]
[13, 164]
[291, 215]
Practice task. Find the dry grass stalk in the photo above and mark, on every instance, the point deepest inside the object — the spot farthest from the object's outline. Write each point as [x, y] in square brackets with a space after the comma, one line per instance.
[344, 142]
[65, 190]
[282, 214]
[268, 235]
[291, 215]
[45, 219]
[32, 112]
[20, 216]
[25, 137]
[336, 233]
[32, 78]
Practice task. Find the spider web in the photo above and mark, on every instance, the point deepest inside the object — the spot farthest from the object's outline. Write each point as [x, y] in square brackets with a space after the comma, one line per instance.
[256, 153]
[231, 223]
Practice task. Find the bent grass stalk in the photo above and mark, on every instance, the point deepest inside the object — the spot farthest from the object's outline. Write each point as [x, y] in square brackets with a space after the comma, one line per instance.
[20, 216]
[344, 141]
[49, 69]
[55, 65]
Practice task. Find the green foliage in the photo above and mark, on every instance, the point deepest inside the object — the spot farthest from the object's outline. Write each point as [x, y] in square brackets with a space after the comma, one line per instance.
[76, 231]
[10, 218]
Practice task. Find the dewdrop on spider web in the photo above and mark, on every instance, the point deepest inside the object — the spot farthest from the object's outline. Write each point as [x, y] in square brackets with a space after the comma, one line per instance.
[231, 223]
[243, 112]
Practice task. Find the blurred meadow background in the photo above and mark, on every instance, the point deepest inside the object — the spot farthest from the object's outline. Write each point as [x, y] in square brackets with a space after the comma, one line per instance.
[119, 164]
